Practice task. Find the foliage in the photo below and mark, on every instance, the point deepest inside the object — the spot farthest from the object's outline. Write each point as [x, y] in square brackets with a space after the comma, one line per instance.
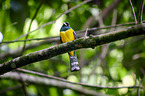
[120, 63]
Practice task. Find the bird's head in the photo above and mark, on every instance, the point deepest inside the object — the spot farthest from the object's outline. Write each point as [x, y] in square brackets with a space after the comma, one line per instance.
[65, 26]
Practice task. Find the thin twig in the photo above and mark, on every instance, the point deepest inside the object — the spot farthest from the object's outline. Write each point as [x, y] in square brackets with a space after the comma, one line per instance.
[9, 25]
[30, 39]
[77, 83]
[86, 32]
[141, 11]
[31, 24]
[106, 27]
[11, 88]
[133, 11]
[114, 19]
[101, 24]
[138, 91]
[23, 84]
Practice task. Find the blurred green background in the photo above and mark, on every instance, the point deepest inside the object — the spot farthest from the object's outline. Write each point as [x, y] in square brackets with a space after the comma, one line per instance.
[120, 63]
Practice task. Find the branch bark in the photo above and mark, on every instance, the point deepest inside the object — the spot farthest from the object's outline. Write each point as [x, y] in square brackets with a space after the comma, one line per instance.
[85, 42]
[50, 82]
[17, 52]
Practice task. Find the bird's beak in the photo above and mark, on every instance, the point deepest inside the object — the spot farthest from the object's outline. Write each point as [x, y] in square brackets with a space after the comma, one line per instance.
[65, 23]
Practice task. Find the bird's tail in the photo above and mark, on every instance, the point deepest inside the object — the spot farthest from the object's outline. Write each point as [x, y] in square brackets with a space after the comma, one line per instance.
[74, 63]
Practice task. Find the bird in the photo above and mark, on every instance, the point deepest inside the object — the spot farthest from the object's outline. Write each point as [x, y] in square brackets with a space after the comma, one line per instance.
[68, 34]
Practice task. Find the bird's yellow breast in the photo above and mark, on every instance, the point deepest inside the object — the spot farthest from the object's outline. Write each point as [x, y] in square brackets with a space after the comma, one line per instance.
[67, 36]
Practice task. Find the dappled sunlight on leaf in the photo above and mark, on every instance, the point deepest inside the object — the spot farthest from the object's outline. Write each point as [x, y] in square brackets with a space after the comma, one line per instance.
[72, 78]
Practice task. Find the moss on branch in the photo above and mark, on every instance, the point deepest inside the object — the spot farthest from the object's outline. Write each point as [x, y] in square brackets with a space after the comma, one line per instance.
[84, 42]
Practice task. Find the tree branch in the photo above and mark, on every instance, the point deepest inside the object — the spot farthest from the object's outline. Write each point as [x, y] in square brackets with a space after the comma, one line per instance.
[17, 52]
[77, 83]
[50, 82]
[85, 42]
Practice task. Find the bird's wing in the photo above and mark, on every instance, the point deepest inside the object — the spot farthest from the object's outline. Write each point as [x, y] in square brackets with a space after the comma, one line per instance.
[60, 40]
[75, 35]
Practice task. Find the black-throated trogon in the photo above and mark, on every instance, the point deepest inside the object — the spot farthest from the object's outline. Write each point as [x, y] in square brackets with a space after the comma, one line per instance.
[68, 34]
